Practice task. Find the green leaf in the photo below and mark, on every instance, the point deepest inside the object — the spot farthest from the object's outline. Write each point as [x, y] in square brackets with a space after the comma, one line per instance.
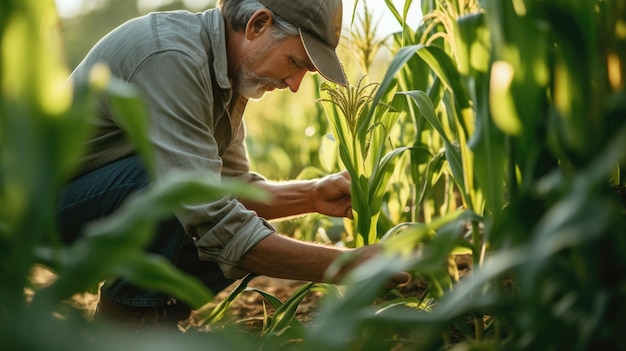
[273, 300]
[490, 152]
[340, 319]
[473, 44]
[132, 115]
[381, 174]
[398, 61]
[120, 239]
[154, 272]
[218, 312]
[284, 315]
[445, 68]
[433, 172]
[452, 153]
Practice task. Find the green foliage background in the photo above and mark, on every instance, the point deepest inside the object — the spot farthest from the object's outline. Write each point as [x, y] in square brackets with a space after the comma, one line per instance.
[506, 125]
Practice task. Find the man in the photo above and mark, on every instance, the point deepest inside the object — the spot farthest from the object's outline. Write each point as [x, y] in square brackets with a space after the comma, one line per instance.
[196, 73]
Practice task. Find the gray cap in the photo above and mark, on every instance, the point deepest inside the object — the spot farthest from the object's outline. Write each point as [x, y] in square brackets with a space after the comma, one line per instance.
[319, 23]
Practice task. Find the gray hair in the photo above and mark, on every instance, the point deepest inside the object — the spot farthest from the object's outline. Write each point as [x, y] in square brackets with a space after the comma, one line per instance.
[239, 12]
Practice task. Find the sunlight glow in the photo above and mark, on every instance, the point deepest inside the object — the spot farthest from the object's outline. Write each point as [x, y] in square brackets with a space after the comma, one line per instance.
[388, 24]
[615, 71]
[519, 7]
[501, 101]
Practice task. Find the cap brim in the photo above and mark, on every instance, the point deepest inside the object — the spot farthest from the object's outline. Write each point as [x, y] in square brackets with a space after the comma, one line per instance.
[324, 59]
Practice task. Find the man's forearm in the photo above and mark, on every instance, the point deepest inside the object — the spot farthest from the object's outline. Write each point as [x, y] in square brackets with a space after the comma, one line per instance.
[282, 257]
[286, 199]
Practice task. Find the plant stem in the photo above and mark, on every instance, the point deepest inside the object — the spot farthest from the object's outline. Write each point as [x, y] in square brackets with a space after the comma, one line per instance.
[479, 325]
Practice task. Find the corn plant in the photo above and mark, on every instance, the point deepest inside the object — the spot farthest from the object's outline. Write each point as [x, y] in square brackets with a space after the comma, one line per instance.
[363, 41]
[507, 104]
[361, 130]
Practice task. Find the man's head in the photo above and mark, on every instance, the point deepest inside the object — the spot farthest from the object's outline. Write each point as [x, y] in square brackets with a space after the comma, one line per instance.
[317, 23]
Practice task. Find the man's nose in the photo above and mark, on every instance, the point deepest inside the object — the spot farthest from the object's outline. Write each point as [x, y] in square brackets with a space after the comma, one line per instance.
[294, 80]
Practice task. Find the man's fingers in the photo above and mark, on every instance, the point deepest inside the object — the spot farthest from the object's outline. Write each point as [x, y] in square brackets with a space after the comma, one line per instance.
[397, 279]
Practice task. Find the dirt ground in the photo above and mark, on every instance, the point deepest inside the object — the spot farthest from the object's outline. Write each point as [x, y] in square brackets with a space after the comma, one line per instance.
[249, 309]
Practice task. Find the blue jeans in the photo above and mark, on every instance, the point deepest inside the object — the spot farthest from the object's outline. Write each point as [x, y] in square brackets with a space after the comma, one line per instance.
[98, 194]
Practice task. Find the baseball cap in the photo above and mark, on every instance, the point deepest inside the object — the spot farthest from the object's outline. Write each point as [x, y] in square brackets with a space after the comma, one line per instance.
[319, 23]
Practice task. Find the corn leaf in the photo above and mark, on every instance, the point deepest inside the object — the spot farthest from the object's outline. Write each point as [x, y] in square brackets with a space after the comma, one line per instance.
[120, 239]
[218, 312]
[284, 315]
[452, 153]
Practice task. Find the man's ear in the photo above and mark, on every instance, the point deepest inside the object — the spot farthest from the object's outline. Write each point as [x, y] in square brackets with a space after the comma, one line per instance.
[260, 22]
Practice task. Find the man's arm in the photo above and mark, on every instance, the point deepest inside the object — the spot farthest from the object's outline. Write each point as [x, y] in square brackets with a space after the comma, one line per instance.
[329, 195]
[282, 257]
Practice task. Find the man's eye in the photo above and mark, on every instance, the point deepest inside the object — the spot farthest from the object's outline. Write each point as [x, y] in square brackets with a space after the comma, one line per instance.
[293, 63]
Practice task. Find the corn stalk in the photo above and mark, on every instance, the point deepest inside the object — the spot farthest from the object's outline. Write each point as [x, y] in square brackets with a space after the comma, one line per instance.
[361, 130]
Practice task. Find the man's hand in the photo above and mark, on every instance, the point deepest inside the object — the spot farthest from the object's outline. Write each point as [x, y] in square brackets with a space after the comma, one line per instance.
[329, 196]
[397, 279]
[358, 257]
[332, 195]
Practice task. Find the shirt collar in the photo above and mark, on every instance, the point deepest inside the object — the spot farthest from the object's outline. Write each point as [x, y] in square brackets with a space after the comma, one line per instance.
[216, 30]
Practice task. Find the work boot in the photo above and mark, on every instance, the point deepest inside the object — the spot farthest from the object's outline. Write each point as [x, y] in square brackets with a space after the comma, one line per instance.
[141, 318]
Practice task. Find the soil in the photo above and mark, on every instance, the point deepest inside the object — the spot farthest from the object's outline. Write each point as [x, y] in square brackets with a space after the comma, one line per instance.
[249, 310]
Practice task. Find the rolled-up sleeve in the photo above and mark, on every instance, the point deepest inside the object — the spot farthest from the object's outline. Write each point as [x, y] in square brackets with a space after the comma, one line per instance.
[235, 231]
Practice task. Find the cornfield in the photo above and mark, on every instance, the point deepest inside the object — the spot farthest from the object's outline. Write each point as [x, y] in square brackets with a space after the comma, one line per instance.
[498, 130]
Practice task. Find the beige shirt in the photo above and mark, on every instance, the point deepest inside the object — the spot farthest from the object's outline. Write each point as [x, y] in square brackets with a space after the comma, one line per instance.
[178, 62]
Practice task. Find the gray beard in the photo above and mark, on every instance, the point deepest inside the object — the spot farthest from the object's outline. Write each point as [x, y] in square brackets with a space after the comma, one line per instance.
[251, 85]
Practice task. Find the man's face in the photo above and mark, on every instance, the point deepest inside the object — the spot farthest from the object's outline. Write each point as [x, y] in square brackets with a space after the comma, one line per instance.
[272, 64]
[253, 85]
